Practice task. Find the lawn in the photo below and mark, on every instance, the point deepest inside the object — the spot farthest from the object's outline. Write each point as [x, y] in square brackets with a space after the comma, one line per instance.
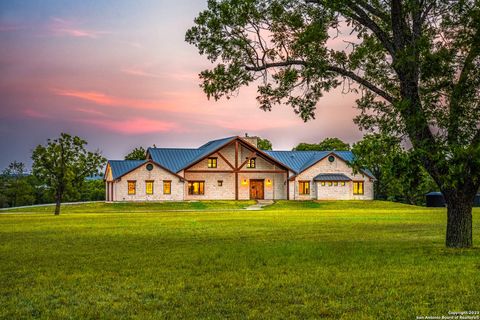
[333, 260]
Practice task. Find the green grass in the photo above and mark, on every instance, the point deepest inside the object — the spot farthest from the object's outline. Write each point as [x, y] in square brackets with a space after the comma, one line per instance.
[101, 207]
[308, 260]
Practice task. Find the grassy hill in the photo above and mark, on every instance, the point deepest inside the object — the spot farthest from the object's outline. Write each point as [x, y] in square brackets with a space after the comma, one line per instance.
[350, 260]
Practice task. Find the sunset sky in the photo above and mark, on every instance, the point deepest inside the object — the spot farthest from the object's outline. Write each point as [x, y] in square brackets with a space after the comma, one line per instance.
[120, 75]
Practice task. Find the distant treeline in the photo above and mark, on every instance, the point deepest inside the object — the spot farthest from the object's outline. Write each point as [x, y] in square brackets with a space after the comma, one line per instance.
[19, 188]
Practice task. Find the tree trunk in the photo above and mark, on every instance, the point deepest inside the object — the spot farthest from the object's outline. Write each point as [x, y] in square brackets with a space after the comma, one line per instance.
[459, 219]
[58, 201]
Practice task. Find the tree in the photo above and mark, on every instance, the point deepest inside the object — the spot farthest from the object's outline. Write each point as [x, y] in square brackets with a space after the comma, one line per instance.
[416, 64]
[327, 144]
[15, 187]
[64, 163]
[264, 144]
[399, 176]
[138, 153]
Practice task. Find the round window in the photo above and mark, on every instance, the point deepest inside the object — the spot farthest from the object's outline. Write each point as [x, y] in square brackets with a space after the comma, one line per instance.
[331, 158]
[149, 167]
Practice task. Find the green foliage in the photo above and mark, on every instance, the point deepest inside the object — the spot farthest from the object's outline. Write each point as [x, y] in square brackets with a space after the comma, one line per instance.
[63, 164]
[400, 177]
[138, 153]
[329, 144]
[264, 144]
[15, 186]
[346, 260]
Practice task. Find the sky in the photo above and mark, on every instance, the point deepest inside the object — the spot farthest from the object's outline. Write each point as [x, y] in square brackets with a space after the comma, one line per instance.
[119, 74]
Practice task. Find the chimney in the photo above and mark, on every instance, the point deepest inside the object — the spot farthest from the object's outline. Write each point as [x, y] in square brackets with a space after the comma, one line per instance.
[252, 140]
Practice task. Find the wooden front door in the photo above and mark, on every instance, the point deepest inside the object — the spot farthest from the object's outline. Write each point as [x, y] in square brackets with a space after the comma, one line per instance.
[256, 189]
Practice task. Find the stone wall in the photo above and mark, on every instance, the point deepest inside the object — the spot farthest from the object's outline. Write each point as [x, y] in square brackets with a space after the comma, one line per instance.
[331, 192]
[140, 175]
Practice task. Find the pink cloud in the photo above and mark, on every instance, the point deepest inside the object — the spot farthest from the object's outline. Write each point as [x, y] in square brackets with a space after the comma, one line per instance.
[103, 99]
[31, 113]
[135, 71]
[69, 28]
[134, 126]
[90, 111]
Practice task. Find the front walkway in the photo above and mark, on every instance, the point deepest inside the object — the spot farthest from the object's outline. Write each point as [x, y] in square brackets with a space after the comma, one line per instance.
[259, 205]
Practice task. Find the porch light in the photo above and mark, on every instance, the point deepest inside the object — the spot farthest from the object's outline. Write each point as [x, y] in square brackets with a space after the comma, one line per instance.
[244, 182]
[269, 182]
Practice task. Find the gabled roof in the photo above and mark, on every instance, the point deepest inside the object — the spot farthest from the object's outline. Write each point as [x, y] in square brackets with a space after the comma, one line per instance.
[302, 160]
[331, 177]
[177, 159]
[121, 167]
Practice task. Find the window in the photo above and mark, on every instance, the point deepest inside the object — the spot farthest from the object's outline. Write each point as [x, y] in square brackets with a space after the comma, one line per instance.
[149, 187]
[335, 183]
[323, 183]
[220, 183]
[330, 183]
[342, 183]
[357, 187]
[167, 187]
[212, 162]
[331, 158]
[132, 186]
[304, 187]
[149, 167]
[251, 162]
[196, 187]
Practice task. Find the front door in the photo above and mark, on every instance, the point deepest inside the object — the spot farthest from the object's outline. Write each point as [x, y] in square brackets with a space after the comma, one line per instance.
[256, 189]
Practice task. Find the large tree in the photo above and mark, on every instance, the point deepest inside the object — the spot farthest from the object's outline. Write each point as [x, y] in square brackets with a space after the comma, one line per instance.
[416, 64]
[326, 144]
[64, 163]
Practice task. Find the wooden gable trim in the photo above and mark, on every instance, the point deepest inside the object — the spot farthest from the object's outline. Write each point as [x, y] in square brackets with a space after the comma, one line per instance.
[263, 154]
[225, 159]
[251, 155]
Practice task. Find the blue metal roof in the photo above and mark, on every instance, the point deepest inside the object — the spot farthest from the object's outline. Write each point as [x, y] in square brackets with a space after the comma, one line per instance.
[175, 159]
[301, 160]
[120, 167]
[331, 177]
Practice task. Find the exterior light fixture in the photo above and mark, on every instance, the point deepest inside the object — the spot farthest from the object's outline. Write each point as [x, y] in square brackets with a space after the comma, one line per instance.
[269, 182]
[244, 181]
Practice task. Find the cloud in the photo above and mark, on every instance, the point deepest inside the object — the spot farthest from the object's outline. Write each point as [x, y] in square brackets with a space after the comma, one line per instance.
[185, 106]
[135, 71]
[90, 111]
[108, 100]
[31, 113]
[10, 27]
[134, 126]
[69, 28]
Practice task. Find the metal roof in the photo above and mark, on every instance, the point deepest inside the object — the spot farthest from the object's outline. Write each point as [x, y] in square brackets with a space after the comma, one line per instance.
[177, 159]
[301, 160]
[331, 177]
[120, 167]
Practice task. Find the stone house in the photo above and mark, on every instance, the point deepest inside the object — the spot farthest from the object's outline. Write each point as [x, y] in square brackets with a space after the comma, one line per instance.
[234, 168]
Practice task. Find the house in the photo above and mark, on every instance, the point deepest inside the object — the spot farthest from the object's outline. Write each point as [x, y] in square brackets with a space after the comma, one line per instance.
[234, 168]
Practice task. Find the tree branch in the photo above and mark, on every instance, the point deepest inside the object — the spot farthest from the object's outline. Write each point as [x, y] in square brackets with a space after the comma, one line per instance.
[360, 16]
[340, 71]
